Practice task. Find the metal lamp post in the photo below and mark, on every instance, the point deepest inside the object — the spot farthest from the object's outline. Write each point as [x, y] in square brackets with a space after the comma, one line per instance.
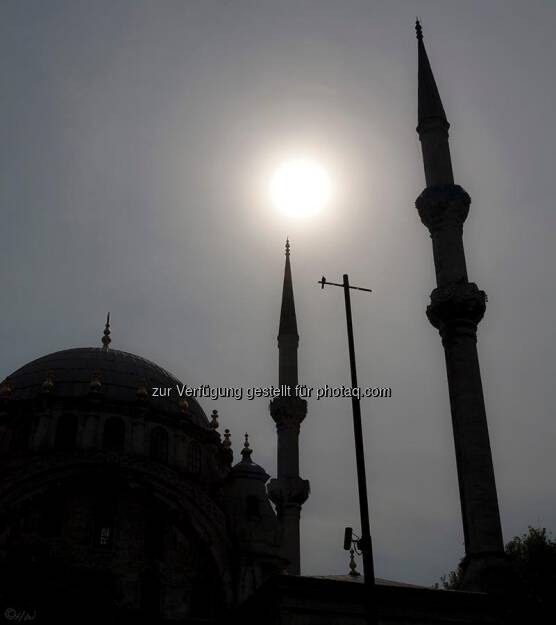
[365, 543]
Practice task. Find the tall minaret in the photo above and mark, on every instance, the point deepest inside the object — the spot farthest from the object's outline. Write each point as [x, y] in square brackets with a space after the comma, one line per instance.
[288, 491]
[456, 308]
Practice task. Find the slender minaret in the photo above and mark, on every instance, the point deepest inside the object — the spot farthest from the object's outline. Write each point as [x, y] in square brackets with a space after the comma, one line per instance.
[456, 308]
[288, 491]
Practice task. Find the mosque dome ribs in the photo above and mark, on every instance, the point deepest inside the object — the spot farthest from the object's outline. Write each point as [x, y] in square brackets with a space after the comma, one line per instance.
[119, 378]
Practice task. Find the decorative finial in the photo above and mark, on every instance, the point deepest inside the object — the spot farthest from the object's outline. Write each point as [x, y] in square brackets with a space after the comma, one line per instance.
[352, 564]
[419, 29]
[106, 340]
[6, 389]
[227, 443]
[48, 383]
[95, 384]
[246, 451]
[214, 420]
[141, 393]
[287, 247]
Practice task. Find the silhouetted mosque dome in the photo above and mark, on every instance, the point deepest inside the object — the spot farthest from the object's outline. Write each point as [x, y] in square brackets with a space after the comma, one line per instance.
[114, 375]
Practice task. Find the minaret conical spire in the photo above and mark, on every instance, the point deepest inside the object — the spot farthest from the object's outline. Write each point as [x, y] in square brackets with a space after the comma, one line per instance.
[429, 102]
[288, 338]
[432, 122]
[288, 321]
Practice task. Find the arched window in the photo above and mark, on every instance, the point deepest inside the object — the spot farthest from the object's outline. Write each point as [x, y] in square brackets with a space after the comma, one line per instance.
[194, 457]
[66, 432]
[159, 445]
[21, 434]
[113, 437]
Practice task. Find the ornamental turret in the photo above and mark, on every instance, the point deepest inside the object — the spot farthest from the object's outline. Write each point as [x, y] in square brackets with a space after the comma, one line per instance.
[253, 524]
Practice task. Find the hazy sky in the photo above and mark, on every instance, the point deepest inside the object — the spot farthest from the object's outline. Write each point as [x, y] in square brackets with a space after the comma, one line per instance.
[136, 142]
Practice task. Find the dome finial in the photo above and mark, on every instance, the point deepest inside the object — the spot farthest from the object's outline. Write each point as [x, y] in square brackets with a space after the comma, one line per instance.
[141, 392]
[246, 451]
[418, 29]
[106, 340]
[214, 420]
[6, 389]
[48, 383]
[95, 385]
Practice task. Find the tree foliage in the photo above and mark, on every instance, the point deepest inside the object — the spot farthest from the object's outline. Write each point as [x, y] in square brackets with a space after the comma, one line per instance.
[533, 559]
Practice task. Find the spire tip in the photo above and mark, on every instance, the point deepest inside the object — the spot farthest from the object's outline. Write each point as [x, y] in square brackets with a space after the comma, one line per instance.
[246, 451]
[287, 246]
[227, 443]
[419, 29]
[106, 340]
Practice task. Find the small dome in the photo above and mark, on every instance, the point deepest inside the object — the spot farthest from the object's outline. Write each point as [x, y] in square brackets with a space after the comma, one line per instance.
[246, 467]
[121, 374]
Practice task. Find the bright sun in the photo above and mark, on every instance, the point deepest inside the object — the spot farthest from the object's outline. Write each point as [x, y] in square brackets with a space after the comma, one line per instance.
[300, 187]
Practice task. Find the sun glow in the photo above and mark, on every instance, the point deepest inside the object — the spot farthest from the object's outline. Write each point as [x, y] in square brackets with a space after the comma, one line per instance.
[300, 188]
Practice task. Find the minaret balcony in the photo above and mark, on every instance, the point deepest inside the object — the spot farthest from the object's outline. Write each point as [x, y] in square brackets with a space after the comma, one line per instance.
[443, 206]
[457, 305]
[286, 491]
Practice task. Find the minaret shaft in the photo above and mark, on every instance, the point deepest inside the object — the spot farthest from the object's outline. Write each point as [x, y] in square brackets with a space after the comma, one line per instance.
[456, 308]
[288, 491]
[481, 520]
[288, 452]
[449, 255]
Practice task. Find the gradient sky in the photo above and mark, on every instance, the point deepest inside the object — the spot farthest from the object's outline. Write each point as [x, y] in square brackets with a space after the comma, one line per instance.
[136, 141]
